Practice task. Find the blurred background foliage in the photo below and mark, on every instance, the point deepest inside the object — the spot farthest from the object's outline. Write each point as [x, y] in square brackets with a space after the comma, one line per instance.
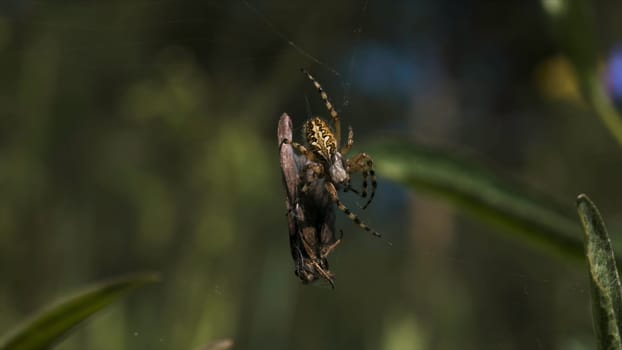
[142, 135]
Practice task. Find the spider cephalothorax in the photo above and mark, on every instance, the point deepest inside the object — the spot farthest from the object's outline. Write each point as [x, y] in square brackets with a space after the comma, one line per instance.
[323, 144]
[327, 159]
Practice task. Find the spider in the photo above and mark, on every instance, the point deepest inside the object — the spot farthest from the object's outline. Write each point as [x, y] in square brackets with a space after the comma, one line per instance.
[327, 159]
[310, 215]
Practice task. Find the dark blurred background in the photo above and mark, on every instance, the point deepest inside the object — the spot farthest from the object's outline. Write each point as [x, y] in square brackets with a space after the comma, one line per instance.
[141, 135]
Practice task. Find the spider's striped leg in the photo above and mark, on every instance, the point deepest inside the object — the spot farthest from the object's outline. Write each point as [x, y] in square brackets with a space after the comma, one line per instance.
[329, 106]
[351, 189]
[310, 156]
[330, 188]
[363, 163]
[345, 150]
[300, 148]
[348, 146]
[348, 187]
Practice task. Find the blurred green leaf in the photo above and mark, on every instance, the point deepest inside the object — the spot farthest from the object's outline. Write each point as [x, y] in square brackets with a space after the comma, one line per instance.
[221, 344]
[574, 24]
[481, 192]
[604, 279]
[48, 327]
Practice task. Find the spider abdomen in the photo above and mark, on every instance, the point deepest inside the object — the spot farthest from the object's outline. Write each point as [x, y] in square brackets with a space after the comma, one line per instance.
[320, 138]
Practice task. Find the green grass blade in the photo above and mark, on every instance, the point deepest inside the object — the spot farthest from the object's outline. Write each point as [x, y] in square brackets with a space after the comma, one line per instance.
[479, 191]
[50, 326]
[604, 279]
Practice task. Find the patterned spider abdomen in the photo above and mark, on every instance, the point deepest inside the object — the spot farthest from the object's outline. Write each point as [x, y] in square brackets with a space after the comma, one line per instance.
[320, 138]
